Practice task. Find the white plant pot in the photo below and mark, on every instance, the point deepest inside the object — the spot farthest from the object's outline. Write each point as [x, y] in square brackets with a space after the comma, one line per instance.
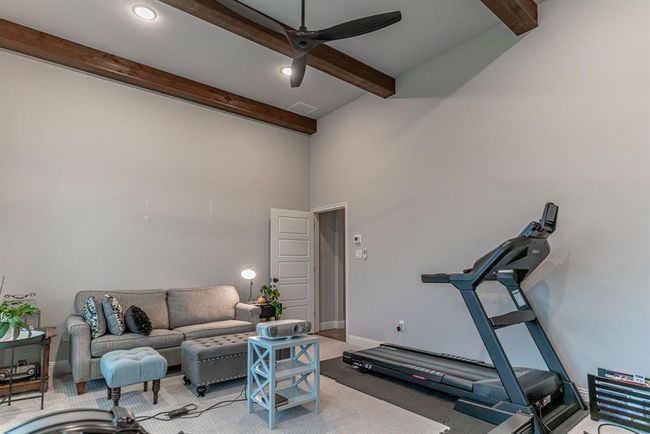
[8, 336]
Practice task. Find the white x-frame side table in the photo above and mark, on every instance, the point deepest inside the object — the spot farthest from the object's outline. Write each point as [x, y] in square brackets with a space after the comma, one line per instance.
[296, 379]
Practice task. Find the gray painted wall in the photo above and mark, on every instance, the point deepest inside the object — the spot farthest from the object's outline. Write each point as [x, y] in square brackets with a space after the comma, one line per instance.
[107, 186]
[467, 153]
[331, 225]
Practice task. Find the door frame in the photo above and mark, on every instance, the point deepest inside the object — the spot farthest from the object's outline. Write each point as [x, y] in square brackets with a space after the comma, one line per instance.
[316, 284]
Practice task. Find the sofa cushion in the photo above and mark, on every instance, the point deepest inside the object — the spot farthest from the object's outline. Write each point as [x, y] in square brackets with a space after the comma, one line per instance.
[201, 305]
[159, 338]
[217, 328]
[152, 301]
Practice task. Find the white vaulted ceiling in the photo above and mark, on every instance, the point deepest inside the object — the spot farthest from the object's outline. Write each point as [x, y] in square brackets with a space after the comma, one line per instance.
[182, 44]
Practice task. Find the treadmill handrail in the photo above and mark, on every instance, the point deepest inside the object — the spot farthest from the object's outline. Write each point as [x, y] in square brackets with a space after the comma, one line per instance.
[435, 278]
[472, 279]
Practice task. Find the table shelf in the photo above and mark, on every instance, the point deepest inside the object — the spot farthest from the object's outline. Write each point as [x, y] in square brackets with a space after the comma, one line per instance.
[9, 388]
[287, 368]
[295, 396]
[299, 373]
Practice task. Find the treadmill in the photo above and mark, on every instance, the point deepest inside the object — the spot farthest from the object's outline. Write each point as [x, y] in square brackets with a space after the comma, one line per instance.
[517, 400]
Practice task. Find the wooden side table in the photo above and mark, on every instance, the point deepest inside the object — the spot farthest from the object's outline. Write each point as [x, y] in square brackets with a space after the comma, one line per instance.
[300, 373]
[42, 338]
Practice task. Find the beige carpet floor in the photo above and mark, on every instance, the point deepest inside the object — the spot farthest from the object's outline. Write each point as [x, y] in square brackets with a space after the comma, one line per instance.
[343, 410]
[588, 426]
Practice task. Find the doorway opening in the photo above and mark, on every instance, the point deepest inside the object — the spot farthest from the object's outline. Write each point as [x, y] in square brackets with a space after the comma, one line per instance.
[330, 277]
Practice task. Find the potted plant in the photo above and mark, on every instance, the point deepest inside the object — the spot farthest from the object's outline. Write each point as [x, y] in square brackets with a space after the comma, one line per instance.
[272, 295]
[12, 318]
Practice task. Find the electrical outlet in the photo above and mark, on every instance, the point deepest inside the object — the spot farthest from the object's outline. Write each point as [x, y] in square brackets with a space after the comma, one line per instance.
[400, 326]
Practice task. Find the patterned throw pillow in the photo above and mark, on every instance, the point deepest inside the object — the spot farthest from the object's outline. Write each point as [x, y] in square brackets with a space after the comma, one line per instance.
[137, 321]
[94, 316]
[114, 315]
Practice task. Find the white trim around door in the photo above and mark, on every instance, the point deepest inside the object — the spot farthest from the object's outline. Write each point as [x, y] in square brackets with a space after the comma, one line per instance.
[316, 244]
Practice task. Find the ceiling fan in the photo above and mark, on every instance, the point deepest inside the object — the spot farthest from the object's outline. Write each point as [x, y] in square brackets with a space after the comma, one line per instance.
[303, 41]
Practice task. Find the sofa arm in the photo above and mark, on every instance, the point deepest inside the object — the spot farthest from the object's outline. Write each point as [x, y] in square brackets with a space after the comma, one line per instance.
[247, 312]
[79, 348]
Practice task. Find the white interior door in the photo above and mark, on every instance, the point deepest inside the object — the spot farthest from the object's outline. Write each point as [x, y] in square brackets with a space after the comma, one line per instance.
[292, 262]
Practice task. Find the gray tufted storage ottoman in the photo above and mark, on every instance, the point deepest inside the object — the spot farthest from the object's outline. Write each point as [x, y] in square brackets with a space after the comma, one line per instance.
[213, 360]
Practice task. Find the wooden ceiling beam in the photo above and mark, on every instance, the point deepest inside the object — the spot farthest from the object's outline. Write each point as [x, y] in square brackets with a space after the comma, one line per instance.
[519, 15]
[48, 47]
[323, 57]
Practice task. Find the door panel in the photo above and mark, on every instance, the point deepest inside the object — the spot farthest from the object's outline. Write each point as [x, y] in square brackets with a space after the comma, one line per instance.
[292, 225]
[294, 247]
[294, 291]
[293, 270]
[295, 312]
[292, 262]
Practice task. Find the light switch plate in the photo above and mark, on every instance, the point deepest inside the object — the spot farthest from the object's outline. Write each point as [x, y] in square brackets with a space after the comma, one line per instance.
[358, 254]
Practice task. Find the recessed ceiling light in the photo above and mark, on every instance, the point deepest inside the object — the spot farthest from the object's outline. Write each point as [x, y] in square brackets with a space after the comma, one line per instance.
[144, 12]
[286, 71]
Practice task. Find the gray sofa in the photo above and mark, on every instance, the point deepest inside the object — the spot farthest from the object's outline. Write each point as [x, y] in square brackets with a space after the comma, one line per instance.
[176, 315]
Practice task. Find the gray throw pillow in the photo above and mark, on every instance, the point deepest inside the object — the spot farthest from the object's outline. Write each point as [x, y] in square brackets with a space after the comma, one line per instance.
[94, 316]
[114, 315]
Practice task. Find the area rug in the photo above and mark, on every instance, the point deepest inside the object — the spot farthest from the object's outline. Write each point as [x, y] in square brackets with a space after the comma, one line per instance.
[410, 397]
[419, 400]
[343, 410]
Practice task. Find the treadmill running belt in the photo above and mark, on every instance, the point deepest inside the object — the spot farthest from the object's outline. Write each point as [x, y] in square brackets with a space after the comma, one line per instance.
[456, 368]
[482, 380]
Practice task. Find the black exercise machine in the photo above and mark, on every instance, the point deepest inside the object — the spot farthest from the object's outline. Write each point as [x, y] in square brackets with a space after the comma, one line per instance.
[82, 420]
[518, 400]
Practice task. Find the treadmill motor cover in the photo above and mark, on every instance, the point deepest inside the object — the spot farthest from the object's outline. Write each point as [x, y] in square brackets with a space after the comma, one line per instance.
[536, 383]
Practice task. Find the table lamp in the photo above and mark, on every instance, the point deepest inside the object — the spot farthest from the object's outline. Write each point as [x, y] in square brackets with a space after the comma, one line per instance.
[249, 274]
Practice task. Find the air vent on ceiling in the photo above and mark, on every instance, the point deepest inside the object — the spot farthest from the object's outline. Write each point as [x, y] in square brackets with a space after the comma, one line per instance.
[302, 108]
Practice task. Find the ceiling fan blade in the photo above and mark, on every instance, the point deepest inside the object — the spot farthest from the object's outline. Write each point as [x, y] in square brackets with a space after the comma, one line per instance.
[357, 27]
[254, 15]
[298, 68]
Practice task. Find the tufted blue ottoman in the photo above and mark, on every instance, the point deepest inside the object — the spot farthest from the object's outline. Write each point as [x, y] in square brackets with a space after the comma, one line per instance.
[125, 367]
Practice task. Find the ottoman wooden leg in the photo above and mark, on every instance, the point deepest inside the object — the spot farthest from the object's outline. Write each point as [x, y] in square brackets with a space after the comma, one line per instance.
[155, 388]
[109, 395]
[117, 393]
[146, 386]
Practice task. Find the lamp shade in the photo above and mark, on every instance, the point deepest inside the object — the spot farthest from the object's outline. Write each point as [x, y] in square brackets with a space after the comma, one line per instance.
[248, 273]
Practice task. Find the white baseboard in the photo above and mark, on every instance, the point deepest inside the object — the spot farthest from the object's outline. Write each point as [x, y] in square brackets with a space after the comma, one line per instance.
[60, 367]
[584, 393]
[327, 325]
[362, 342]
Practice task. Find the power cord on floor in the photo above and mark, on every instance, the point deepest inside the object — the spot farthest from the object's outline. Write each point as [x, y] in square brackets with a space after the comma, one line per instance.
[613, 425]
[541, 420]
[191, 411]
